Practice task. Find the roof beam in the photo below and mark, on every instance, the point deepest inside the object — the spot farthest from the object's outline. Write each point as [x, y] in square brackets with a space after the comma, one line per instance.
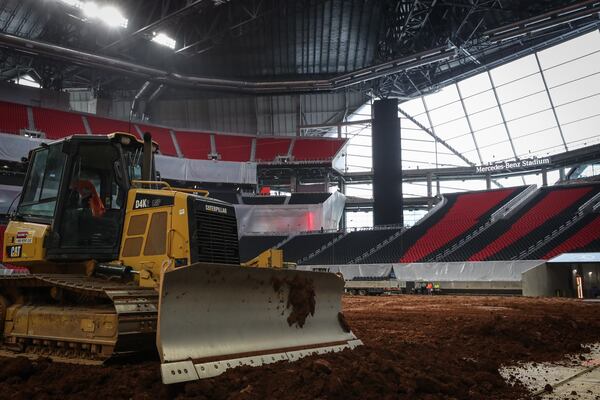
[462, 102]
[436, 137]
[562, 136]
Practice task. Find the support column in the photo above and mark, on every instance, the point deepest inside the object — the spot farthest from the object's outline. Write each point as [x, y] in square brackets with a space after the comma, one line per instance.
[387, 164]
[544, 177]
[561, 172]
[429, 191]
[488, 181]
[293, 183]
[342, 187]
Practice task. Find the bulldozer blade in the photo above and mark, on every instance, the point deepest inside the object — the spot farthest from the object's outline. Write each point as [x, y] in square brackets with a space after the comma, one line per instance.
[215, 317]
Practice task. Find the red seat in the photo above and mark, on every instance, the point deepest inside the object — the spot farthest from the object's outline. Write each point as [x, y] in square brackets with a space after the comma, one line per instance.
[57, 124]
[308, 149]
[267, 149]
[460, 218]
[162, 137]
[194, 145]
[13, 117]
[233, 148]
[550, 206]
[579, 239]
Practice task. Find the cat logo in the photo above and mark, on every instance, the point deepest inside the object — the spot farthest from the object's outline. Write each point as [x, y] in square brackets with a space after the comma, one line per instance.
[14, 251]
[211, 208]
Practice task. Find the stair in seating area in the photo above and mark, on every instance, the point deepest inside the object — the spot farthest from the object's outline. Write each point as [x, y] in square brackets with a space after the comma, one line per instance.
[551, 208]
[299, 246]
[464, 215]
[518, 201]
[585, 239]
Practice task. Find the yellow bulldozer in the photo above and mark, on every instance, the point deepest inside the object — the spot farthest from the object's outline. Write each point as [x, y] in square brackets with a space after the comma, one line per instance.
[122, 263]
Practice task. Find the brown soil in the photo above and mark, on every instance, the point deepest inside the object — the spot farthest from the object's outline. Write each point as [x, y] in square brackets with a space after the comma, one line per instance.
[416, 347]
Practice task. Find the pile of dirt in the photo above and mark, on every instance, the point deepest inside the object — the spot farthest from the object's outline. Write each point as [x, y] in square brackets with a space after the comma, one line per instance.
[416, 347]
[301, 298]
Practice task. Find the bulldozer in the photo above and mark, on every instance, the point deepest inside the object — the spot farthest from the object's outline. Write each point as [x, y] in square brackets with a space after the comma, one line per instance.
[121, 263]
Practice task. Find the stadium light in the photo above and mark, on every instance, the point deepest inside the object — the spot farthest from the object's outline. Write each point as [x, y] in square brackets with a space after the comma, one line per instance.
[26, 80]
[109, 15]
[164, 40]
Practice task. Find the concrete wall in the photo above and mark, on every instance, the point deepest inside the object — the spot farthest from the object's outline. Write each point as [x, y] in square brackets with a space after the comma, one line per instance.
[263, 115]
[548, 281]
[14, 93]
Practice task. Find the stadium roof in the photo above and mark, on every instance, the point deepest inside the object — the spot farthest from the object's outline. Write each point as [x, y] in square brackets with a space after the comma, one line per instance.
[275, 40]
[538, 105]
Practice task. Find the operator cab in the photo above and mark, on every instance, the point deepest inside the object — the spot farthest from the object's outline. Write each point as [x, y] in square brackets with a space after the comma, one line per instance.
[79, 187]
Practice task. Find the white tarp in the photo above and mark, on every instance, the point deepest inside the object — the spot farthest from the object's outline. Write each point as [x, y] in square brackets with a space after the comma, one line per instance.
[468, 271]
[575, 258]
[290, 218]
[15, 147]
[464, 271]
[206, 170]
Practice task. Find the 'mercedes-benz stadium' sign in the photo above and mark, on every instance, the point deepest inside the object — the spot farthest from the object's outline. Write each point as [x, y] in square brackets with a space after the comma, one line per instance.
[512, 165]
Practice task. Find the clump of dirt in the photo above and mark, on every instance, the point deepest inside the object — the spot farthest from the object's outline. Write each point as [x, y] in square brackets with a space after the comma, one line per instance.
[301, 298]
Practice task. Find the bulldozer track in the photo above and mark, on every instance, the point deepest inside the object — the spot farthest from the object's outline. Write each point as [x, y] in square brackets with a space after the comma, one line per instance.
[136, 309]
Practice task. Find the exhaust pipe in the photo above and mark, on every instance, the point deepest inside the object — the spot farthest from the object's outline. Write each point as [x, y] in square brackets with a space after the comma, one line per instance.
[147, 160]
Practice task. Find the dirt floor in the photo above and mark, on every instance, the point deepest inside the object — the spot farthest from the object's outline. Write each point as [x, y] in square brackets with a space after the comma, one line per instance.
[416, 347]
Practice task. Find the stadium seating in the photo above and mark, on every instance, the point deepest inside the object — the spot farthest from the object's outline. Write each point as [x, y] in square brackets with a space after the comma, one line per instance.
[461, 214]
[316, 149]
[547, 211]
[587, 239]
[350, 246]
[302, 245]
[194, 145]
[57, 124]
[464, 214]
[251, 246]
[13, 117]
[233, 148]
[162, 137]
[584, 235]
[267, 149]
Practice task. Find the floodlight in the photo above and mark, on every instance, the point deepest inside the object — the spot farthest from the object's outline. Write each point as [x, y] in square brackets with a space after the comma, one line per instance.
[90, 9]
[112, 17]
[164, 40]
[109, 15]
[26, 80]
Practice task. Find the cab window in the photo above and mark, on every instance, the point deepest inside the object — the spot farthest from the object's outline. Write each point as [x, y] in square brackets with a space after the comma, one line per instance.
[94, 200]
[41, 190]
